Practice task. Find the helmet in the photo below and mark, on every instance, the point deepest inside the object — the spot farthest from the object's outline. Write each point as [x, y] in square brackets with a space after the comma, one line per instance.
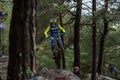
[53, 21]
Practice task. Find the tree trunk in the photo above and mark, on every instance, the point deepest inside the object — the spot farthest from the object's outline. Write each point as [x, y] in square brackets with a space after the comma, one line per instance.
[60, 16]
[63, 54]
[77, 34]
[22, 40]
[102, 41]
[15, 43]
[93, 77]
[32, 35]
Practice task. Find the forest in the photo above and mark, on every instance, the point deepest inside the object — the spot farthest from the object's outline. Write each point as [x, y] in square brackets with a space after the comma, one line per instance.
[88, 39]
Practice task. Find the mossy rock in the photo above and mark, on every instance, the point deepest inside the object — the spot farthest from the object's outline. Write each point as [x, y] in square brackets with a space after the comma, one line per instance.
[3, 67]
[56, 75]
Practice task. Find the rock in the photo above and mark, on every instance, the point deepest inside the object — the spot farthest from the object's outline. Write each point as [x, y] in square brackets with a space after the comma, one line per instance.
[3, 71]
[56, 75]
[3, 67]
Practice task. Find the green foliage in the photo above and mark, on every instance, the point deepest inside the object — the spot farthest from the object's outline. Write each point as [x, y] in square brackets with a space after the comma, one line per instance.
[48, 8]
[113, 38]
[44, 56]
[112, 49]
[6, 7]
[69, 55]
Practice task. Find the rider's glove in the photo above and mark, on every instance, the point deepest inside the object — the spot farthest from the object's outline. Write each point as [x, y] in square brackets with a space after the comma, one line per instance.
[46, 36]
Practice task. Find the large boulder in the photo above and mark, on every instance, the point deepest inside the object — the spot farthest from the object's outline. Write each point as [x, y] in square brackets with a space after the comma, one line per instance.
[56, 75]
[3, 67]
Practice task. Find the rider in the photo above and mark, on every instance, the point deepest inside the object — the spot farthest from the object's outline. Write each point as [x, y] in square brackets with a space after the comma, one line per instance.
[54, 29]
[112, 69]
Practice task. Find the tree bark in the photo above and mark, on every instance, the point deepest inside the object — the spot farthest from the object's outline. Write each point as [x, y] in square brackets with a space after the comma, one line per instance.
[33, 34]
[93, 77]
[63, 53]
[15, 43]
[77, 34]
[102, 41]
[22, 40]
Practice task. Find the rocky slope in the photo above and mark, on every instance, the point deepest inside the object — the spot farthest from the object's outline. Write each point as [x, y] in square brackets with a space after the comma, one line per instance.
[56, 75]
[3, 67]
